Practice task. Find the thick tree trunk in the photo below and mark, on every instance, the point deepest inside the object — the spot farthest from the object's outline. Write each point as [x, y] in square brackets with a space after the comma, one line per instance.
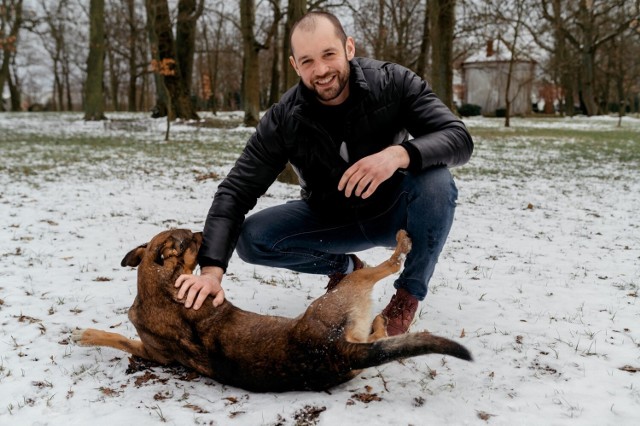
[188, 13]
[160, 107]
[250, 65]
[9, 42]
[94, 99]
[587, 57]
[296, 9]
[562, 60]
[425, 44]
[167, 63]
[442, 19]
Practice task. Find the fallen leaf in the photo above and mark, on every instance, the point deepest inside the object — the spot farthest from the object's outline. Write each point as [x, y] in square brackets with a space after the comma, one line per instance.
[485, 416]
[630, 369]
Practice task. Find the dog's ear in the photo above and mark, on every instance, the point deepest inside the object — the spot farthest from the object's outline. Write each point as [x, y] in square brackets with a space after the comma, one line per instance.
[134, 257]
[198, 237]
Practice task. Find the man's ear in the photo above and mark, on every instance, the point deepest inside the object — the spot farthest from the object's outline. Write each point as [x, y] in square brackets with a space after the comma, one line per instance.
[350, 48]
[292, 61]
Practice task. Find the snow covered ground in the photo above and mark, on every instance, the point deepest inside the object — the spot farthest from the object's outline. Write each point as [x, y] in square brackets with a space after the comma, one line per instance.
[539, 279]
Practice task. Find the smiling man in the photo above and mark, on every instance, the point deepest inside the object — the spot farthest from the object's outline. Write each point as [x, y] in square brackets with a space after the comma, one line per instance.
[372, 146]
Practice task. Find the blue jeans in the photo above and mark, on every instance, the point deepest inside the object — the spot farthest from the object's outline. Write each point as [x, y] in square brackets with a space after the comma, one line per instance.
[295, 237]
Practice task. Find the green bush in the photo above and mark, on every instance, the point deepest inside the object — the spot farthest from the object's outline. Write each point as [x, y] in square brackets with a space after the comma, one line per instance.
[469, 110]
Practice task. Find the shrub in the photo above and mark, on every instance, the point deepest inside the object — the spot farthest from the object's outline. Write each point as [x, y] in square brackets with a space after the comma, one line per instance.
[469, 110]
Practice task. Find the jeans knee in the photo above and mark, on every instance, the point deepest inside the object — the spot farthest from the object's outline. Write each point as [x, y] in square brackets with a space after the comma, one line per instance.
[436, 186]
[248, 247]
[243, 247]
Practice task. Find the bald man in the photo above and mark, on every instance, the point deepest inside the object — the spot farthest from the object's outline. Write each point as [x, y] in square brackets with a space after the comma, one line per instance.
[372, 146]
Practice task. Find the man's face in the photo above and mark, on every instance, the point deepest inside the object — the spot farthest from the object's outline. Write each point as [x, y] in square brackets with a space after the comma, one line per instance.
[322, 61]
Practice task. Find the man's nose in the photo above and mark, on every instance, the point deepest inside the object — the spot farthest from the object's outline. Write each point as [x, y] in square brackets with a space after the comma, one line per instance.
[321, 68]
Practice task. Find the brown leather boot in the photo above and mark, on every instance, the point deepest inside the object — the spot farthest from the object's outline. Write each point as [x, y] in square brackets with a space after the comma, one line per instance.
[400, 312]
[335, 278]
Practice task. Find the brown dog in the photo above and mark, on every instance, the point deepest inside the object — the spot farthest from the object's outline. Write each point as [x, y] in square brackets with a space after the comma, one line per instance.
[327, 345]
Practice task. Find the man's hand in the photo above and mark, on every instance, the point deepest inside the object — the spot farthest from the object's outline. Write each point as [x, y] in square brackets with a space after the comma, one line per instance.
[364, 177]
[198, 287]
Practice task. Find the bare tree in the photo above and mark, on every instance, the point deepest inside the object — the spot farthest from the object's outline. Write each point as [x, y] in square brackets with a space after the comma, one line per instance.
[173, 60]
[94, 102]
[276, 53]
[250, 65]
[393, 30]
[442, 22]
[422, 65]
[587, 25]
[10, 23]
[52, 29]
[295, 10]
[251, 87]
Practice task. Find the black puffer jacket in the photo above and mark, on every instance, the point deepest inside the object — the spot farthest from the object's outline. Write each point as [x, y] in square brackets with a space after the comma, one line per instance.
[388, 102]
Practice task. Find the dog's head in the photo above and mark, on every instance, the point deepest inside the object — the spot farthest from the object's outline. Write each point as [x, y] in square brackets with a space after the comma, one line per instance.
[174, 247]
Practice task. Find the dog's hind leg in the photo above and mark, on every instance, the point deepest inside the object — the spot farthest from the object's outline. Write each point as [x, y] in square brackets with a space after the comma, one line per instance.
[370, 276]
[378, 329]
[93, 337]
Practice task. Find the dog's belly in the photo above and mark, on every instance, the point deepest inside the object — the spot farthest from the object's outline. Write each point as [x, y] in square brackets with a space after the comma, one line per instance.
[270, 354]
[271, 374]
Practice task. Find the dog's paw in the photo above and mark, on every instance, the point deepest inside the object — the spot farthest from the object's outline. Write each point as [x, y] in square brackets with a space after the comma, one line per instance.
[77, 336]
[404, 242]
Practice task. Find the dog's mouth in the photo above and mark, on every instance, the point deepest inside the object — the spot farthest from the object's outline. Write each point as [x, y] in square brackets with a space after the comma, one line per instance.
[170, 249]
[179, 251]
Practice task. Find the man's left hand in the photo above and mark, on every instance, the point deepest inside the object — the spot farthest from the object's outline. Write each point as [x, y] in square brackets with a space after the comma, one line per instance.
[363, 178]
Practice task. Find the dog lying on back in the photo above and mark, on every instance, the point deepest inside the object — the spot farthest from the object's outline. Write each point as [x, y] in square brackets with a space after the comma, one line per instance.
[327, 345]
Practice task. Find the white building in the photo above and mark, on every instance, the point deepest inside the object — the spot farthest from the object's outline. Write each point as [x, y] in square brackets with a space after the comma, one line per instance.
[484, 78]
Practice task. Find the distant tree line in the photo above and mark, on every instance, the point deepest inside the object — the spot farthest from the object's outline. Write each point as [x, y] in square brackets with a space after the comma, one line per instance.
[175, 58]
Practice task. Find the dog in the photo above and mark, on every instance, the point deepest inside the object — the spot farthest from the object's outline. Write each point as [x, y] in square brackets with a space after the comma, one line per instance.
[329, 344]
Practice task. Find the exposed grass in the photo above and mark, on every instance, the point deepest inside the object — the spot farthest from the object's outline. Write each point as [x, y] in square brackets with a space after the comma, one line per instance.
[134, 144]
[129, 148]
[531, 151]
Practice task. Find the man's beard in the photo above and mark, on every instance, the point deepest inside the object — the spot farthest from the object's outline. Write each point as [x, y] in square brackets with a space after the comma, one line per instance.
[335, 90]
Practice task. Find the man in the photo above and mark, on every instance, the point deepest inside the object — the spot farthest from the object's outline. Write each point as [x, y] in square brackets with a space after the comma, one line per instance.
[345, 129]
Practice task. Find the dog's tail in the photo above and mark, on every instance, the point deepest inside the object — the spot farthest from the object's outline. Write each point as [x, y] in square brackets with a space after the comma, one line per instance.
[365, 355]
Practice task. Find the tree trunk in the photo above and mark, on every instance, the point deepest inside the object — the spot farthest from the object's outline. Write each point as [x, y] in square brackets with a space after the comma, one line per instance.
[160, 107]
[562, 61]
[13, 17]
[188, 13]
[250, 65]
[133, 60]
[442, 19]
[380, 45]
[14, 90]
[296, 9]
[94, 103]
[587, 57]
[167, 63]
[114, 81]
[66, 76]
[274, 88]
[425, 45]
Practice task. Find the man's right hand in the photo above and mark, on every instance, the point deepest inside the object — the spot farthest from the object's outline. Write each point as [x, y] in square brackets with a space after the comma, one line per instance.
[198, 287]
